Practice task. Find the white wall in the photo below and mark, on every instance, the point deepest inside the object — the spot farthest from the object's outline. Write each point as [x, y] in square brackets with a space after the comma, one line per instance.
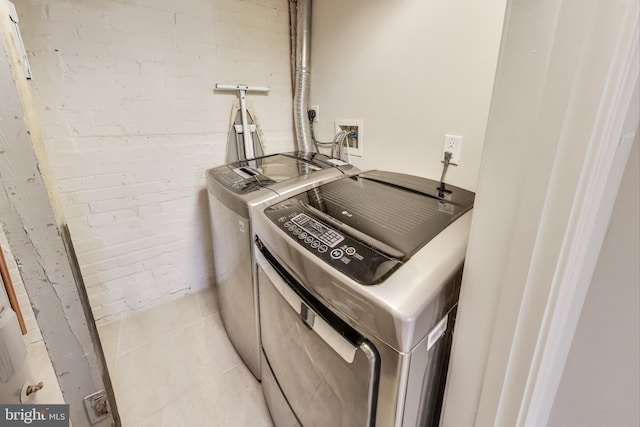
[412, 71]
[555, 125]
[125, 100]
[601, 380]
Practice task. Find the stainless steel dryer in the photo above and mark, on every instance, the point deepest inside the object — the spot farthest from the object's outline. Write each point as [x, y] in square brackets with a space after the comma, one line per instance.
[358, 283]
[234, 190]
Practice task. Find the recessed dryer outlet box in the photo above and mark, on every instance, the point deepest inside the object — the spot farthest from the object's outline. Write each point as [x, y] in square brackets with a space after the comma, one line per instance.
[355, 134]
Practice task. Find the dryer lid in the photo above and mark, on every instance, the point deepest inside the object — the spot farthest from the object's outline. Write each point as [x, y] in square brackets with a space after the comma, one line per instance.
[394, 213]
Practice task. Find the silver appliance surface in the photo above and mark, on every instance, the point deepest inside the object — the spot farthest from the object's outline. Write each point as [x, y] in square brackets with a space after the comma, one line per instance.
[235, 189]
[358, 283]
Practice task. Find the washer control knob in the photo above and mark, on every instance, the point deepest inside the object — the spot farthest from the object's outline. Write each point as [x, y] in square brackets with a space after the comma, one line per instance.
[337, 253]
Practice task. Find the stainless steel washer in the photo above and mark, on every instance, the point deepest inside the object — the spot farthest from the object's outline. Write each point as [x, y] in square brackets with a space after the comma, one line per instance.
[358, 284]
[234, 190]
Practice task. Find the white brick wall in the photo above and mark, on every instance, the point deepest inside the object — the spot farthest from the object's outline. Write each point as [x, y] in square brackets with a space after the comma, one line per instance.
[124, 93]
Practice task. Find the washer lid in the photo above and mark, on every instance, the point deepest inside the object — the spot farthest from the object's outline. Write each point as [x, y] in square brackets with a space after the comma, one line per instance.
[246, 176]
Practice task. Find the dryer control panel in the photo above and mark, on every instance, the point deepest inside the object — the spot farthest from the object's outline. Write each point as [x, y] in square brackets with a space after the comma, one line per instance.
[239, 183]
[343, 252]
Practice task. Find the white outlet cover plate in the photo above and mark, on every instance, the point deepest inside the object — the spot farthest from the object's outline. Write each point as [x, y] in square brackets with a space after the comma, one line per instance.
[452, 143]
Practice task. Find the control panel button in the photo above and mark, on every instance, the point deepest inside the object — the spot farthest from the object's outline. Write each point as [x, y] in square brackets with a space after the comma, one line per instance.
[337, 253]
[350, 250]
[308, 239]
[315, 244]
[322, 248]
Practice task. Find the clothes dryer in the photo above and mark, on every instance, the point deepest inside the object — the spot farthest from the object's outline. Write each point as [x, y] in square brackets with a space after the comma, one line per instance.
[358, 284]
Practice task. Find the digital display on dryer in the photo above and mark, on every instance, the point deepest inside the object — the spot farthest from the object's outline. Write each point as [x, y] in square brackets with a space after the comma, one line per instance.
[341, 251]
[326, 235]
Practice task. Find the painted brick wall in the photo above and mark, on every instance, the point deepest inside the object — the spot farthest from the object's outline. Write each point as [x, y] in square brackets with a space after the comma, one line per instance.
[124, 95]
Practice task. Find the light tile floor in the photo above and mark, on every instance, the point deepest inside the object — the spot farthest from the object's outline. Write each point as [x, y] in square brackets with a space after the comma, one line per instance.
[42, 370]
[173, 365]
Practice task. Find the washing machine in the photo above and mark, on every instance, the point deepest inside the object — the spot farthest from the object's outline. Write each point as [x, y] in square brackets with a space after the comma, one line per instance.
[234, 190]
[358, 283]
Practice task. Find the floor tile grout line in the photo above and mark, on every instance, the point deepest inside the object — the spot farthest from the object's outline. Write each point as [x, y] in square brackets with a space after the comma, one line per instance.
[199, 298]
[186, 395]
[164, 304]
[145, 311]
[195, 294]
[160, 336]
[119, 335]
[189, 392]
[201, 318]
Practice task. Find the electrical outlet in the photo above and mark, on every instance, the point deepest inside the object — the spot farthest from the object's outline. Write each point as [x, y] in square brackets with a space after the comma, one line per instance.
[315, 108]
[452, 144]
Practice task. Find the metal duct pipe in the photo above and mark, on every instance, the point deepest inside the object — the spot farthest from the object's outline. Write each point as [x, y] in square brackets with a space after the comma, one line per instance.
[303, 76]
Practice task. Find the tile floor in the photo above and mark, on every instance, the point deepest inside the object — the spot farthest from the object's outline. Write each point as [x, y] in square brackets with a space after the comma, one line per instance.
[173, 365]
[42, 370]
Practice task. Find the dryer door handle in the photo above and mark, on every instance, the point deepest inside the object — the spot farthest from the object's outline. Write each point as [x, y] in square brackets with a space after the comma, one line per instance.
[307, 315]
[311, 318]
